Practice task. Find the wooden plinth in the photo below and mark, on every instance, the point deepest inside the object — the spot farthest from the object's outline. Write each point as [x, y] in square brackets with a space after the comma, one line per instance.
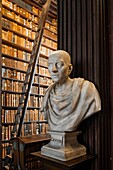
[81, 163]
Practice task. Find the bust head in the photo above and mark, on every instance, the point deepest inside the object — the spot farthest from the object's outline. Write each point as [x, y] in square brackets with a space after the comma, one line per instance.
[59, 66]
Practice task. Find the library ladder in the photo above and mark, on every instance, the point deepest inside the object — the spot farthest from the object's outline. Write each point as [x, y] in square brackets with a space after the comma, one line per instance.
[30, 72]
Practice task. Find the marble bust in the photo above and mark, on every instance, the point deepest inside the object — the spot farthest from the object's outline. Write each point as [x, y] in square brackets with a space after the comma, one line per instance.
[67, 102]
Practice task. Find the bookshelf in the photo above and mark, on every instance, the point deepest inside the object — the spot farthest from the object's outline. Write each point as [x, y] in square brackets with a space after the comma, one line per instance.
[19, 24]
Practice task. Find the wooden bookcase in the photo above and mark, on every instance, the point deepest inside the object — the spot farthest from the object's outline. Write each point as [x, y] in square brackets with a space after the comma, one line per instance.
[19, 24]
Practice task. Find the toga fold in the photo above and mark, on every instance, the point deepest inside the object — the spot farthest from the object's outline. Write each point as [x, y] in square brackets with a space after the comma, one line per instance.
[66, 110]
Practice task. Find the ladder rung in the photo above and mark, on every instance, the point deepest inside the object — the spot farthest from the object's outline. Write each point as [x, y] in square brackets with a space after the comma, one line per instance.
[21, 102]
[15, 128]
[9, 156]
[24, 90]
[26, 82]
[31, 63]
[23, 93]
[28, 73]
[19, 108]
[22, 96]
[35, 44]
[33, 53]
[32, 57]
[16, 122]
[37, 34]
[36, 41]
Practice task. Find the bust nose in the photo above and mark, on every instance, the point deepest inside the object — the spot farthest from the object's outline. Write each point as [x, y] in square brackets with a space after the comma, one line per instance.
[54, 68]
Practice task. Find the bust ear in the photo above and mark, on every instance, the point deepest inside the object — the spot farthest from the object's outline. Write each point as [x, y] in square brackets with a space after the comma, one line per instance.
[70, 68]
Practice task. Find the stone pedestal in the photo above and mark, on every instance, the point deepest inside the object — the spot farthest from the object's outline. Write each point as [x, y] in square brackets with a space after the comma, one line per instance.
[63, 146]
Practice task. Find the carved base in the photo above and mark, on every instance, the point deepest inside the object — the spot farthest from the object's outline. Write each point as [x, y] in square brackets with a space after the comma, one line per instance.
[63, 146]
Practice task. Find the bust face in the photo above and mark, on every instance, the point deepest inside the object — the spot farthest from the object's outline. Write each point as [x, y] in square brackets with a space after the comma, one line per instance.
[58, 67]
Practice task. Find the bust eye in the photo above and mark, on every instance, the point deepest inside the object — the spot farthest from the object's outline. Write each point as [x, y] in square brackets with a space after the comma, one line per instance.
[59, 64]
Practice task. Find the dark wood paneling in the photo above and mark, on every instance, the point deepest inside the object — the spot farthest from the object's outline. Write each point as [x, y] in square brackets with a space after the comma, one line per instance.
[90, 39]
[79, 39]
[73, 52]
[83, 30]
[110, 26]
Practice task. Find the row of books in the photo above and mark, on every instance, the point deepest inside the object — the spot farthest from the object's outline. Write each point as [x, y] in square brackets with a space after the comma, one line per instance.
[38, 90]
[26, 14]
[28, 27]
[43, 71]
[8, 50]
[43, 80]
[53, 27]
[46, 51]
[33, 115]
[14, 63]
[5, 147]
[43, 61]
[16, 75]
[49, 42]
[11, 85]
[23, 66]
[11, 73]
[8, 116]
[12, 100]
[25, 22]
[24, 42]
[15, 86]
[51, 34]
[19, 19]
[6, 132]
[27, 129]
[13, 38]
[20, 10]
[34, 128]
[18, 28]
[28, 32]
[25, 55]
[35, 89]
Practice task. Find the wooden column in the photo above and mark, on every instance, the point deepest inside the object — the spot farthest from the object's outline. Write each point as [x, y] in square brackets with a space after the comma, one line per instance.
[83, 32]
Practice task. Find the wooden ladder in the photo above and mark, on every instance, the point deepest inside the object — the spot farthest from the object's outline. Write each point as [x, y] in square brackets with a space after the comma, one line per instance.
[30, 72]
